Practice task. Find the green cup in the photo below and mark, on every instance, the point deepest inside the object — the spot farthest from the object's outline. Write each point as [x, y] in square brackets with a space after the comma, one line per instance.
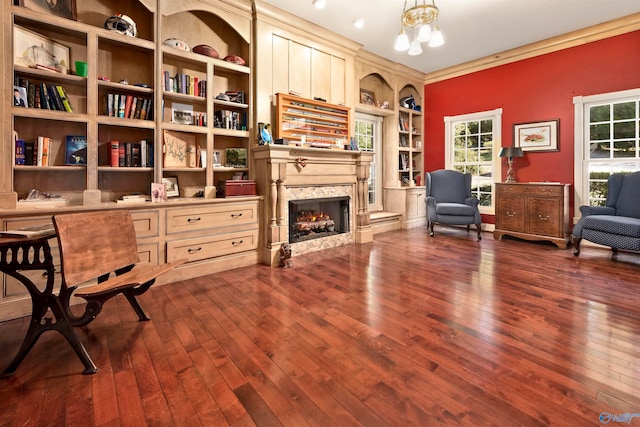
[82, 68]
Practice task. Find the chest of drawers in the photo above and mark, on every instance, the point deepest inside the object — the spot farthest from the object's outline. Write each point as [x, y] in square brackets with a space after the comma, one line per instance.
[533, 212]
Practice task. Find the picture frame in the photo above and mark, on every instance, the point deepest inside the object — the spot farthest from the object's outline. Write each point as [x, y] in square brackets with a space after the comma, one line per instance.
[367, 97]
[62, 8]
[217, 158]
[180, 149]
[182, 114]
[171, 183]
[34, 50]
[20, 97]
[537, 136]
[236, 157]
[158, 192]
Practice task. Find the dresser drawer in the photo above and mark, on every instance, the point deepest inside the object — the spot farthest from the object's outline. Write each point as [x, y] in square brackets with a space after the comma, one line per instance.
[145, 223]
[201, 248]
[530, 189]
[225, 215]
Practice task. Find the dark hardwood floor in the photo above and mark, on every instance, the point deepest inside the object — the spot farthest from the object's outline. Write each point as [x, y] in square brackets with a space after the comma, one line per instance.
[408, 330]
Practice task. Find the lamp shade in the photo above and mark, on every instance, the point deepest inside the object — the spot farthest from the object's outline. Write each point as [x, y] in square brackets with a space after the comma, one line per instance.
[511, 152]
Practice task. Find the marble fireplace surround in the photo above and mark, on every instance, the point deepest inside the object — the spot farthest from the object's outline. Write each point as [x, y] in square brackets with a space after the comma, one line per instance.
[286, 173]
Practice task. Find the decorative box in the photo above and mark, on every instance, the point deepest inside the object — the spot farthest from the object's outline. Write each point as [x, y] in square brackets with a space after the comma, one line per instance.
[231, 188]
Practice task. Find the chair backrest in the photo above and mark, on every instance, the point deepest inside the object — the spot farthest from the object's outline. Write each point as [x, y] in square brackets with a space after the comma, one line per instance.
[623, 193]
[95, 243]
[448, 186]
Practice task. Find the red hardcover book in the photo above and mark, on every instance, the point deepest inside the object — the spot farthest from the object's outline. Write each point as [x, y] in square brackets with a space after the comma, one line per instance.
[127, 106]
[115, 153]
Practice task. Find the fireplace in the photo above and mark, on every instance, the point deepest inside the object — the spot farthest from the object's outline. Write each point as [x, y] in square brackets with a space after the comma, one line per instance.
[311, 219]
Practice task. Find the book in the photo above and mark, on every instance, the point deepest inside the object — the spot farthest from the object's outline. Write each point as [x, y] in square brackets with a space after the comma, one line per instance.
[20, 146]
[121, 155]
[28, 153]
[31, 231]
[65, 100]
[143, 153]
[114, 150]
[122, 104]
[127, 106]
[44, 144]
[76, 150]
[55, 97]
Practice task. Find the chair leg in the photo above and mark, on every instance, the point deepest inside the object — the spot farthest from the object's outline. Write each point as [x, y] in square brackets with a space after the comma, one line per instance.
[576, 243]
[478, 228]
[430, 225]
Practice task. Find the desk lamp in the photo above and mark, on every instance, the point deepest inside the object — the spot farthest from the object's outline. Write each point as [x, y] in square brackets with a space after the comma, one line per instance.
[510, 153]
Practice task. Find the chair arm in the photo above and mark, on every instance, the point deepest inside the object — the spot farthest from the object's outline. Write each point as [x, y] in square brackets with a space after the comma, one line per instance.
[586, 210]
[471, 201]
[431, 208]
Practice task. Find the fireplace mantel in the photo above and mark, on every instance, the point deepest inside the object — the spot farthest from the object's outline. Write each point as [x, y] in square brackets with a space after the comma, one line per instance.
[280, 167]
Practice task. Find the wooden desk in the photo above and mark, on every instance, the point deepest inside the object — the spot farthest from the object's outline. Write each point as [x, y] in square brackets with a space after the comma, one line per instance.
[33, 253]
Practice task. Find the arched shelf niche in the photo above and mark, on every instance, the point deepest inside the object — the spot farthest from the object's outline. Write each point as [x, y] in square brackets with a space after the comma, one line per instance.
[376, 95]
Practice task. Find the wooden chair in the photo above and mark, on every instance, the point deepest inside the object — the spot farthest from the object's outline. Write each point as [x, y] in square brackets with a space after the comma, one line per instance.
[93, 245]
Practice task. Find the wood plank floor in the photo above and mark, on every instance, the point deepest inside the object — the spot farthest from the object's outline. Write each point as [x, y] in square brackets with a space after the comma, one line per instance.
[407, 330]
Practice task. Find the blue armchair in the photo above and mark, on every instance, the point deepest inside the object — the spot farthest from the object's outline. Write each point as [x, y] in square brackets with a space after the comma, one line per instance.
[449, 200]
[617, 224]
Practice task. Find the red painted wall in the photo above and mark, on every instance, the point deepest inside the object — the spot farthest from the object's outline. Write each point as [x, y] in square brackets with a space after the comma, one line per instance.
[536, 89]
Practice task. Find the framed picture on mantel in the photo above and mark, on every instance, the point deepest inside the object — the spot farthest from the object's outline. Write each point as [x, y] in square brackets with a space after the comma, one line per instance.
[537, 136]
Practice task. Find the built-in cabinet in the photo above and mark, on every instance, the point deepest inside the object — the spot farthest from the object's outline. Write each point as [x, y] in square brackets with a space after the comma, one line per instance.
[158, 91]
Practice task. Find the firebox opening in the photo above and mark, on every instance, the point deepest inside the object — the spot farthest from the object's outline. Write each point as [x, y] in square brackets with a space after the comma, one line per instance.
[316, 218]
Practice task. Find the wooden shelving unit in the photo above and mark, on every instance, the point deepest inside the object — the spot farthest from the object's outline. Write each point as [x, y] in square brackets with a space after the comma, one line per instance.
[312, 123]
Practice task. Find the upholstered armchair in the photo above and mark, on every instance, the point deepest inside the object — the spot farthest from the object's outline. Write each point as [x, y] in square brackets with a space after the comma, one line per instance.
[449, 200]
[617, 224]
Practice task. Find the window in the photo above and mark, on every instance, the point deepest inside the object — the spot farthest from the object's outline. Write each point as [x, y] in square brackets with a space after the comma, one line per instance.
[607, 140]
[472, 142]
[368, 134]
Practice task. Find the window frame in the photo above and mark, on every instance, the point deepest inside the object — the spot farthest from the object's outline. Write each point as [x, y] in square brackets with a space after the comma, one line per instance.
[496, 117]
[581, 104]
[378, 158]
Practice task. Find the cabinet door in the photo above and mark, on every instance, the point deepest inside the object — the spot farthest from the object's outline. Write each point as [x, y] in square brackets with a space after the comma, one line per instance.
[510, 213]
[544, 216]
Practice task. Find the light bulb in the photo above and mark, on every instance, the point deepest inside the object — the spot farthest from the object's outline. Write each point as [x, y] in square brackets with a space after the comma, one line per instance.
[319, 4]
[436, 38]
[415, 48]
[358, 23]
[402, 41]
[424, 33]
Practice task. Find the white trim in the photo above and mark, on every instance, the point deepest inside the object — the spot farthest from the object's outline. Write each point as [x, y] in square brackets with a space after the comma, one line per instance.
[496, 116]
[580, 104]
[376, 121]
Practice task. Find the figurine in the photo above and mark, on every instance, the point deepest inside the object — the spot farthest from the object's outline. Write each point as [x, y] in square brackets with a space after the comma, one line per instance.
[264, 137]
[285, 256]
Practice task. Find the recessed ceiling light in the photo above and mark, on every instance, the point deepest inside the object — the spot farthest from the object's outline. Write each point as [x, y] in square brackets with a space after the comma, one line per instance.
[358, 23]
[319, 4]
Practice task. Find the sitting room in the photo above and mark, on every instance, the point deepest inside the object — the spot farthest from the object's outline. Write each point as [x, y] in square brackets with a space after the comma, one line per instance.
[318, 212]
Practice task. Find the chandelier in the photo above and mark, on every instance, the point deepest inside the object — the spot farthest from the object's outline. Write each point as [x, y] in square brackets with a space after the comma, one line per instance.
[419, 18]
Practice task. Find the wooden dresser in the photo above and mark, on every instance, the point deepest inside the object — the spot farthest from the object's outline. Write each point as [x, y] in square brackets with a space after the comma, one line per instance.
[533, 211]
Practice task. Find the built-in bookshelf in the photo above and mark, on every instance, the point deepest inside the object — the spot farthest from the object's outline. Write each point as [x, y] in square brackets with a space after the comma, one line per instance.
[129, 98]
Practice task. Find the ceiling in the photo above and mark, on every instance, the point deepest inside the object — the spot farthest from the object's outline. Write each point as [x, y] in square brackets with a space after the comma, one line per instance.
[472, 29]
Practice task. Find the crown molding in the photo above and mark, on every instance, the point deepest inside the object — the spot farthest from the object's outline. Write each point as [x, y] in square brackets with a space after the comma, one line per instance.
[597, 32]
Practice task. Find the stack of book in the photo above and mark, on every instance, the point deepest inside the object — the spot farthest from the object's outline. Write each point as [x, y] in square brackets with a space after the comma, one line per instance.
[33, 153]
[46, 96]
[128, 106]
[131, 154]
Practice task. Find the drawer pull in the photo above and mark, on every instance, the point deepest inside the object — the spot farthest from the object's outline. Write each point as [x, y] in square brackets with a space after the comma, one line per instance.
[194, 219]
[193, 251]
[236, 215]
[543, 218]
[237, 243]
[511, 213]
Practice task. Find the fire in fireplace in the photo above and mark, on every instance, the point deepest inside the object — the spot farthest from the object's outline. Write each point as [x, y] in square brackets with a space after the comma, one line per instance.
[316, 218]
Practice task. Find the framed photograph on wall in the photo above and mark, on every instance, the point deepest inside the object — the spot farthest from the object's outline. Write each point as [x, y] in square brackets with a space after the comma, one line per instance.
[171, 183]
[62, 8]
[537, 136]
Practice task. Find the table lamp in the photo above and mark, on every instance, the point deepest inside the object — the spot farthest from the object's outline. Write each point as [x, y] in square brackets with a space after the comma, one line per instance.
[510, 153]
